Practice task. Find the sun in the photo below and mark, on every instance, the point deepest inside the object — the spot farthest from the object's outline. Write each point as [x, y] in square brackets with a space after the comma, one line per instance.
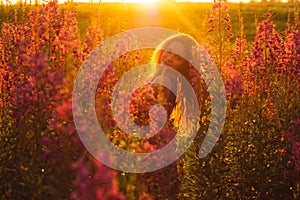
[129, 1]
[132, 1]
[140, 1]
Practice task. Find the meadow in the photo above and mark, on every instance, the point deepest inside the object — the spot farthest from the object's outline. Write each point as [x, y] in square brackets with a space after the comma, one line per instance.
[256, 48]
[185, 17]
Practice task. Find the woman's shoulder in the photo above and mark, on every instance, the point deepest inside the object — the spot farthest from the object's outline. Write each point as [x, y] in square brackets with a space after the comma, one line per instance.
[166, 79]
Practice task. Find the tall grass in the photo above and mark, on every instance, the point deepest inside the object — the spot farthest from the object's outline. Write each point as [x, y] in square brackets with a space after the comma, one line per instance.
[256, 157]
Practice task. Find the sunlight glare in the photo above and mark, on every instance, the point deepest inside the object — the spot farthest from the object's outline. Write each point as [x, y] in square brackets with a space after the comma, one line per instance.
[85, 1]
[125, 1]
[140, 1]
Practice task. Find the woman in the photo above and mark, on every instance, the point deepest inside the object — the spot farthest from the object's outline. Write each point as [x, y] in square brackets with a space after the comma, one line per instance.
[175, 52]
[172, 54]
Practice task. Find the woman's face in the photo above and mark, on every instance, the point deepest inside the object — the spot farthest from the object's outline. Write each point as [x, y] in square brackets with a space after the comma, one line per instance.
[171, 58]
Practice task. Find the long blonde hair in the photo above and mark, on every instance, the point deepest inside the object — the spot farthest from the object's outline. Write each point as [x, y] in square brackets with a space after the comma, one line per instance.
[189, 43]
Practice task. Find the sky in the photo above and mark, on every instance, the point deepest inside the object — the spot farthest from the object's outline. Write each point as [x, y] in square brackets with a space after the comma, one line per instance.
[132, 1]
[153, 1]
[135, 1]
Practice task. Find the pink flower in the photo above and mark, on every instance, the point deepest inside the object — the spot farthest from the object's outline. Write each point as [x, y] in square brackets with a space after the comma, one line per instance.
[149, 147]
[235, 88]
[229, 36]
[282, 151]
[39, 63]
[210, 20]
[145, 196]
[228, 28]
[65, 111]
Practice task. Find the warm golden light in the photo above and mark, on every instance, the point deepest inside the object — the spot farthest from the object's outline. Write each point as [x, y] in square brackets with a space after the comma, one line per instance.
[130, 1]
[126, 1]
[86, 1]
[140, 1]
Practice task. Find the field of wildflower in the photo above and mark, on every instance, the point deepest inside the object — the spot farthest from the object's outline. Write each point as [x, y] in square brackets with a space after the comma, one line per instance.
[256, 48]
